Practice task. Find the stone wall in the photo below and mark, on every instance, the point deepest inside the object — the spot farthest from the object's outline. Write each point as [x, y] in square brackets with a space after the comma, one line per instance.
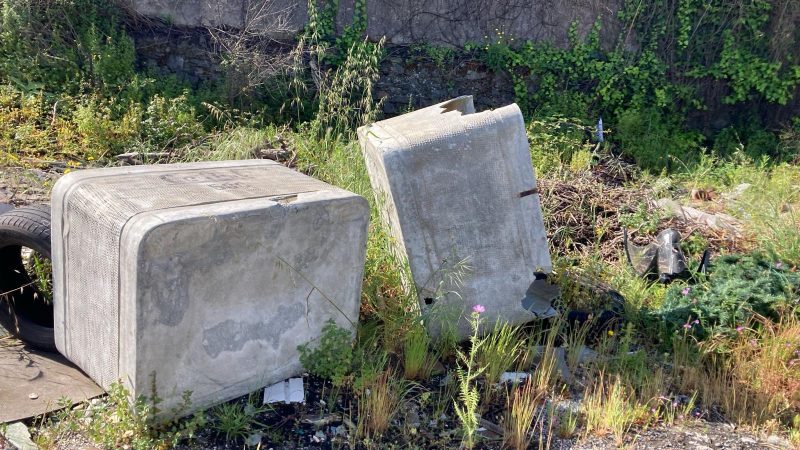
[173, 37]
[186, 52]
[410, 80]
[439, 22]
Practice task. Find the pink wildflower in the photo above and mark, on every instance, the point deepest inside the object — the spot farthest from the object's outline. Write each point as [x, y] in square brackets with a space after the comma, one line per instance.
[686, 291]
[478, 309]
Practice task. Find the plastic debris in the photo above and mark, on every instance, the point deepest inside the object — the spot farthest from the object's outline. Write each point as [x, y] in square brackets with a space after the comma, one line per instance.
[718, 221]
[599, 132]
[253, 440]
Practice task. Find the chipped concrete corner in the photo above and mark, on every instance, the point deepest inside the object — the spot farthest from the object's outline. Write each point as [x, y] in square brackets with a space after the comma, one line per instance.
[459, 195]
[213, 274]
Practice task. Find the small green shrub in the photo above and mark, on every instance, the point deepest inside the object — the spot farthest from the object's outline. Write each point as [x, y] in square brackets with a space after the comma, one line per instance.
[101, 133]
[738, 287]
[753, 141]
[333, 356]
[789, 140]
[65, 46]
[655, 140]
[170, 123]
[641, 220]
[499, 351]
[557, 143]
[118, 422]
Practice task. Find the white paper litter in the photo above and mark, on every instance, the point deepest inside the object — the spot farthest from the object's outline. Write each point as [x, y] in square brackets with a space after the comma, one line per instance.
[289, 391]
[513, 377]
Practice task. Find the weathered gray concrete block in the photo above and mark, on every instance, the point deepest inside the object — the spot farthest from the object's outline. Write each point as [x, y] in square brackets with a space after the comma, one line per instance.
[208, 275]
[457, 185]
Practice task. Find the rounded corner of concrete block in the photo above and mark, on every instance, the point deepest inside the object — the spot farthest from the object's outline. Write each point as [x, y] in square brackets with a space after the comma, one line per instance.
[362, 205]
[64, 183]
[511, 111]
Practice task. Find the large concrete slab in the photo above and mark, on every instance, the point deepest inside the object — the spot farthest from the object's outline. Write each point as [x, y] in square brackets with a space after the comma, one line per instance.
[206, 275]
[457, 185]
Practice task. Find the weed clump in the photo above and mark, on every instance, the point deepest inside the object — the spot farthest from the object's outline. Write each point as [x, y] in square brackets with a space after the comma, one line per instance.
[332, 358]
[738, 288]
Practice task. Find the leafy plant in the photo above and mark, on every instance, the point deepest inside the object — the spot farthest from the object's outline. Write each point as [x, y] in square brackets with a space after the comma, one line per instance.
[557, 143]
[344, 79]
[332, 358]
[657, 141]
[64, 46]
[467, 372]
[116, 421]
[40, 269]
[642, 219]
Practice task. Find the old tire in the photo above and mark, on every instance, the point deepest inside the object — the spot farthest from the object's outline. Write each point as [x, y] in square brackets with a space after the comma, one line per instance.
[24, 311]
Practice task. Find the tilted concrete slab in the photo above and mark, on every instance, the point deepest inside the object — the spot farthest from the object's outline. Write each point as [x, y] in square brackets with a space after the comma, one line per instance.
[207, 275]
[455, 185]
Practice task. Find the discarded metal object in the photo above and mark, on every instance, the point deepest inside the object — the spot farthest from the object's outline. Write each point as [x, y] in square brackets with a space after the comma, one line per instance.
[33, 382]
[201, 277]
[663, 257]
[458, 193]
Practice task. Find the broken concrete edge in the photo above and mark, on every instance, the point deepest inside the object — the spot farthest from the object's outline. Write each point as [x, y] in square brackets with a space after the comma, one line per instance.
[18, 436]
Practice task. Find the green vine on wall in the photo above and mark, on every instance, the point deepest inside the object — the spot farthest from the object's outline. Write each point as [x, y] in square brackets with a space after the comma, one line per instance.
[672, 59]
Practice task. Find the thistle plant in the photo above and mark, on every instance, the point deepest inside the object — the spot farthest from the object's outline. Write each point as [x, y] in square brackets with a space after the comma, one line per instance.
[467, 372]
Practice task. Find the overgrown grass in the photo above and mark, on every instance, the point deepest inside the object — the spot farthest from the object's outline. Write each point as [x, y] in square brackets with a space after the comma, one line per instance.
[639, 386]
[524, 410]
[609, 408]
[498, 353]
